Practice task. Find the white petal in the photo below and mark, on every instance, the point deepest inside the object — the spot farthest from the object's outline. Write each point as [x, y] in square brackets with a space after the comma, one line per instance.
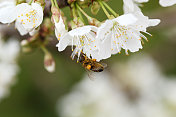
[81, 30]
[133, 43]
[60, 28]
[128, 6]
[105, 48]
[64, 42]
[7, 12]
[104, 29]
[154, 22]
[20, 28]
[126, 19]
[166, 3]
[143, 21]
[141, 1]
[39, 15]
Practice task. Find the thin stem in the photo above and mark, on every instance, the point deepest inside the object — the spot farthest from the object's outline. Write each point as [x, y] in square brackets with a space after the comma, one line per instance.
[80, 15]
[52, 2]
[110, 9]
[44, 49]
[56, 4]
[82, 11]
[104, 9]
[73, 10]
[30, 2]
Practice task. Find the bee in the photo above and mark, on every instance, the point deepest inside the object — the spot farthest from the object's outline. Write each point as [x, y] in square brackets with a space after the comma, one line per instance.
[91, 64]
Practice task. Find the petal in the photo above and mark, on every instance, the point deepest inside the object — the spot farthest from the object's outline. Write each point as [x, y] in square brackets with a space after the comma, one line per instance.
[128, 6]
[20, 28]
[154, 22]
[105, 48]
[141, 1]
[104, 29]
[39, 15]
[126, 19]
[80, 31]
[144, 22]
[133, 43]
[60, 28]
[7, 12]
[21, 8]
[64, 42]
[166, 3]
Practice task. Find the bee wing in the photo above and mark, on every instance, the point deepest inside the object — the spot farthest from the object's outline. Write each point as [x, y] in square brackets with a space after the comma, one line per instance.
[91, 75]
[104, 65]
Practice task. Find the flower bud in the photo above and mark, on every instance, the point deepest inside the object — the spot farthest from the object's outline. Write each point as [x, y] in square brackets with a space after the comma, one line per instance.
[49, 62]
[55, 13]
[25, 46]
[95, 8]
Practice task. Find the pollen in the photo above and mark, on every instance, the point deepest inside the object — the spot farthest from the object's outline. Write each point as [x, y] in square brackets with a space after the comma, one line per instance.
[88, 67]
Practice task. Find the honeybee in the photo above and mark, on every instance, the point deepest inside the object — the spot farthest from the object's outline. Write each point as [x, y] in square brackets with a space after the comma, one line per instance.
[91, 64]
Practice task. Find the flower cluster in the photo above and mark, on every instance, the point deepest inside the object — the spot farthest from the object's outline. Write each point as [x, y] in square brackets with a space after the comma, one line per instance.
[9, 52]
[98, 40]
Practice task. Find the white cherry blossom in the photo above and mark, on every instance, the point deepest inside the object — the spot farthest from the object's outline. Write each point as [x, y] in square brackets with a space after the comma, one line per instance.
[27, 17]
[83, 38]
[166, 3]
[121, 32]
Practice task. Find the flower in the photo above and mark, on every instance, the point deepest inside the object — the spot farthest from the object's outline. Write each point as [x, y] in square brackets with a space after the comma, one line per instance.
[84, 40]
[28, 17]
[60, 28]
[166, 3]
[118, 33]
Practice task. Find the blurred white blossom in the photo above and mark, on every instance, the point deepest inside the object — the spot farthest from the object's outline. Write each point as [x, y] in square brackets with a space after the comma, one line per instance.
[8, 67]
[166, 3]
[136, 88]
[97, 98]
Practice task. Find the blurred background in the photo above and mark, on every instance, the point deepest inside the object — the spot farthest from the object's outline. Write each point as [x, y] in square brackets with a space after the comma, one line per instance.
[142, 84]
